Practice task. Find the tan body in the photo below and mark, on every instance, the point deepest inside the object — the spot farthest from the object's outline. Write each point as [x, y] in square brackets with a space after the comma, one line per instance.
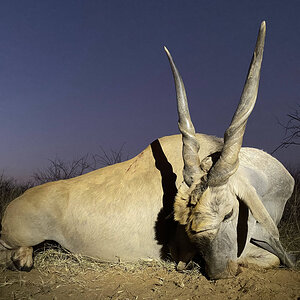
[111, 213]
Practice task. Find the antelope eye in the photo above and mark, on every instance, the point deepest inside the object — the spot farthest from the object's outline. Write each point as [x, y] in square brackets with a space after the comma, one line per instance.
[228, 215]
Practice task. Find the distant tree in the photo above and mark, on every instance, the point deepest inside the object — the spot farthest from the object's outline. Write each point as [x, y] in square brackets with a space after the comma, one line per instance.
[109, 158]
[292, 130]
[9, 190]
[59, 169]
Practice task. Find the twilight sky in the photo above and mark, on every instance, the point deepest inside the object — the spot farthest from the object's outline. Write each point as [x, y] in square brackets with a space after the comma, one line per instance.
[77, 75]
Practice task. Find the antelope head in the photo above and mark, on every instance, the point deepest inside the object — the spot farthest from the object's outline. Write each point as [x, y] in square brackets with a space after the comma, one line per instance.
[207, 200]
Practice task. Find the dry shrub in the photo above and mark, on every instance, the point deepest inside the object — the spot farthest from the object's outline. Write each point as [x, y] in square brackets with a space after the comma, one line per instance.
[289, 226]
[9, 190]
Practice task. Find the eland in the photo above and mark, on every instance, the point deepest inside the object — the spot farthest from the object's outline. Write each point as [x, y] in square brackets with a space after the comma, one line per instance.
[184, 195]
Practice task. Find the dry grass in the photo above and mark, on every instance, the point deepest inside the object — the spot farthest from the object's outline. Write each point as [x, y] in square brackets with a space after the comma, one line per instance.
[9, 190]
[68, 268]
[289, 226]
[74, 264]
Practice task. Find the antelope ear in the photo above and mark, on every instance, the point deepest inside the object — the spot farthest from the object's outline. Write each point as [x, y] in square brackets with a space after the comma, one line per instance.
[247, 193]
[181, 209]
[206, 164]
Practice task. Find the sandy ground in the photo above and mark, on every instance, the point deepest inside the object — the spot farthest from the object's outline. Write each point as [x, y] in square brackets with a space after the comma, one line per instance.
[74, 278]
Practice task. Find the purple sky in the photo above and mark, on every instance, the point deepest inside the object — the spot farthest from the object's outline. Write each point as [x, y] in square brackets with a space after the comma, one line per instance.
[77, 75]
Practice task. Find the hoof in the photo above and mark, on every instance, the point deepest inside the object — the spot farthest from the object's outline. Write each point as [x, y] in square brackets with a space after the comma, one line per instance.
[22, 259]
[18, 266]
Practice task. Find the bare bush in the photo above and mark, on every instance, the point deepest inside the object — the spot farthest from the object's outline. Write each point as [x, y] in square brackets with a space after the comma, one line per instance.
[292, 131]
[60, 169]
[9, 190]
[109, 158]
[289, 226]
